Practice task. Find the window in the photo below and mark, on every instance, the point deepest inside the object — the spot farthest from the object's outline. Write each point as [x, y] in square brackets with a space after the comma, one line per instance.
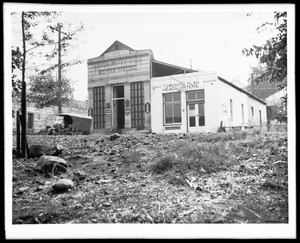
[172, 108]
[195, 95]
[118, 91]
[201, 114]
[252, 110]
[243, 119]
[260, 120]
[231, 113]
[30, 121]
[137, 105]
[99, 107]
[117, 47]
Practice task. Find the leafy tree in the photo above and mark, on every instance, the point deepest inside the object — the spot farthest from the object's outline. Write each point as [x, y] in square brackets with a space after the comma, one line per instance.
[273, 54]
[262, 89]
[16, 65]
[40, 47]
[43, 91]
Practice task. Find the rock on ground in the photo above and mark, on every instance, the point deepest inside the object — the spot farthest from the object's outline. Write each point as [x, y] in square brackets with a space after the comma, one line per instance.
[51, 164]
[114, 136]
[63, 184]
[40, 150]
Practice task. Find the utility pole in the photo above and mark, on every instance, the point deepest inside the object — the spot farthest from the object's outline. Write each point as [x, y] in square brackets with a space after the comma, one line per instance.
[23, 98]
[191, 66]
[59, 69]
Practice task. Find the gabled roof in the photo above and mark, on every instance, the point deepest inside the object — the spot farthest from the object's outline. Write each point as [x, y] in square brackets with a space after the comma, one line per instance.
[242, 90]
[116, 46]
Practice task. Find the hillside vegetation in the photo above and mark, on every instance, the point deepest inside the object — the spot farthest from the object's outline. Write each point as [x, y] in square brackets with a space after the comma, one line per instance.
[233, 177]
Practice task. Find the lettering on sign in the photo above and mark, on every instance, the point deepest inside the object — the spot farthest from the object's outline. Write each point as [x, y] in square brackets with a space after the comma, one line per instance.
[121, 61]
[181, 86]
[117, 70]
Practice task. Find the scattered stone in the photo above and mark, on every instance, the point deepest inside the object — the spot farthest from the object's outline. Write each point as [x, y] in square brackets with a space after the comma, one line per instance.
[94, 221]
[51, 165]
[112, 152]
[40, 150]
[105, 204]
[114, 136]
[78, 206]
[39, 188]
[79, 175]
[23, 189]
[63, 184]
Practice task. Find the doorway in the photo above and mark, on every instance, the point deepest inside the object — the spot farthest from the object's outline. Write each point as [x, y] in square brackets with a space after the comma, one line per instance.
[118, 107]
[195, 110]
[196, 118]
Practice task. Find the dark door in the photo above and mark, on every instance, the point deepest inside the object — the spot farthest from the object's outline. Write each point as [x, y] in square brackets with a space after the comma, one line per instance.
[120, 114]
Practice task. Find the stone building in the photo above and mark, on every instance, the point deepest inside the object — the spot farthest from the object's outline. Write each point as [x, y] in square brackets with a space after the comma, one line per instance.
[38, 119]
[119, 87]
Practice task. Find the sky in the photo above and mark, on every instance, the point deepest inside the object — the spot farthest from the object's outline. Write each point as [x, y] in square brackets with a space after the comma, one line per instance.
[202, 37]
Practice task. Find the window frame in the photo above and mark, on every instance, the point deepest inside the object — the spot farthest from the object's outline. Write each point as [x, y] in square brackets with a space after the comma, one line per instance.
[231, 110]
[30, 120]
[172, 103]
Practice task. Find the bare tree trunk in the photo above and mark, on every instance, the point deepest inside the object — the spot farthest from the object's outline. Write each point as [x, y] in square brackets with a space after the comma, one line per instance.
[59, 69]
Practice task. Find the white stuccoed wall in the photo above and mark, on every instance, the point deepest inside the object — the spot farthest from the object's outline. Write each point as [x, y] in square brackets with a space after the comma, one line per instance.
[217, 102]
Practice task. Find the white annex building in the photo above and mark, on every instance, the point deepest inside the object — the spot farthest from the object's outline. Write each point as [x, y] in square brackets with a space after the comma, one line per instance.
[199, 102]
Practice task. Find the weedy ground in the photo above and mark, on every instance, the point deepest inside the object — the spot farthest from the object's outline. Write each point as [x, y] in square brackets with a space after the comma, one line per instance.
[232, 177]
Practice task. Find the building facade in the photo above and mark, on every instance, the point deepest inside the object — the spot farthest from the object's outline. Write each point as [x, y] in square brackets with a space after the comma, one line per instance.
[119, 91]
[199, 102]
[129, 90]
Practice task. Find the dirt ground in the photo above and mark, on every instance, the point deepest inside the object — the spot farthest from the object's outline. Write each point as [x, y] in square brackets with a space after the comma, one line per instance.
[232, 177]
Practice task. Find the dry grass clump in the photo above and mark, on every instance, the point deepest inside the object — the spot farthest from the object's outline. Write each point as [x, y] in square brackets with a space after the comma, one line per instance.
[164, 164]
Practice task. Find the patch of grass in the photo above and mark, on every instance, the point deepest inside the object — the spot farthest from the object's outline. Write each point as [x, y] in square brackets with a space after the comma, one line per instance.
[176, 180]
[131, 156]
[163, 164]
[203, 157]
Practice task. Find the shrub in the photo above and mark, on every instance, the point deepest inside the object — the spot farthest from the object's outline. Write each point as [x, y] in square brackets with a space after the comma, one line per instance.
[131, 156]
[163, 164]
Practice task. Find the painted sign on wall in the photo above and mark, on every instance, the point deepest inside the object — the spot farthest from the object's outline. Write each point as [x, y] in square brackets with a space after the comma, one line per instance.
[127, 107]
[90, 111]
[108, 109]
[119, 65]
[147, 108]
[181, 86]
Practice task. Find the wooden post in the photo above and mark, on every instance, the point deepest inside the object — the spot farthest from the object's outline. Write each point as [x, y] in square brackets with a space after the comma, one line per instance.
[18, 134]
